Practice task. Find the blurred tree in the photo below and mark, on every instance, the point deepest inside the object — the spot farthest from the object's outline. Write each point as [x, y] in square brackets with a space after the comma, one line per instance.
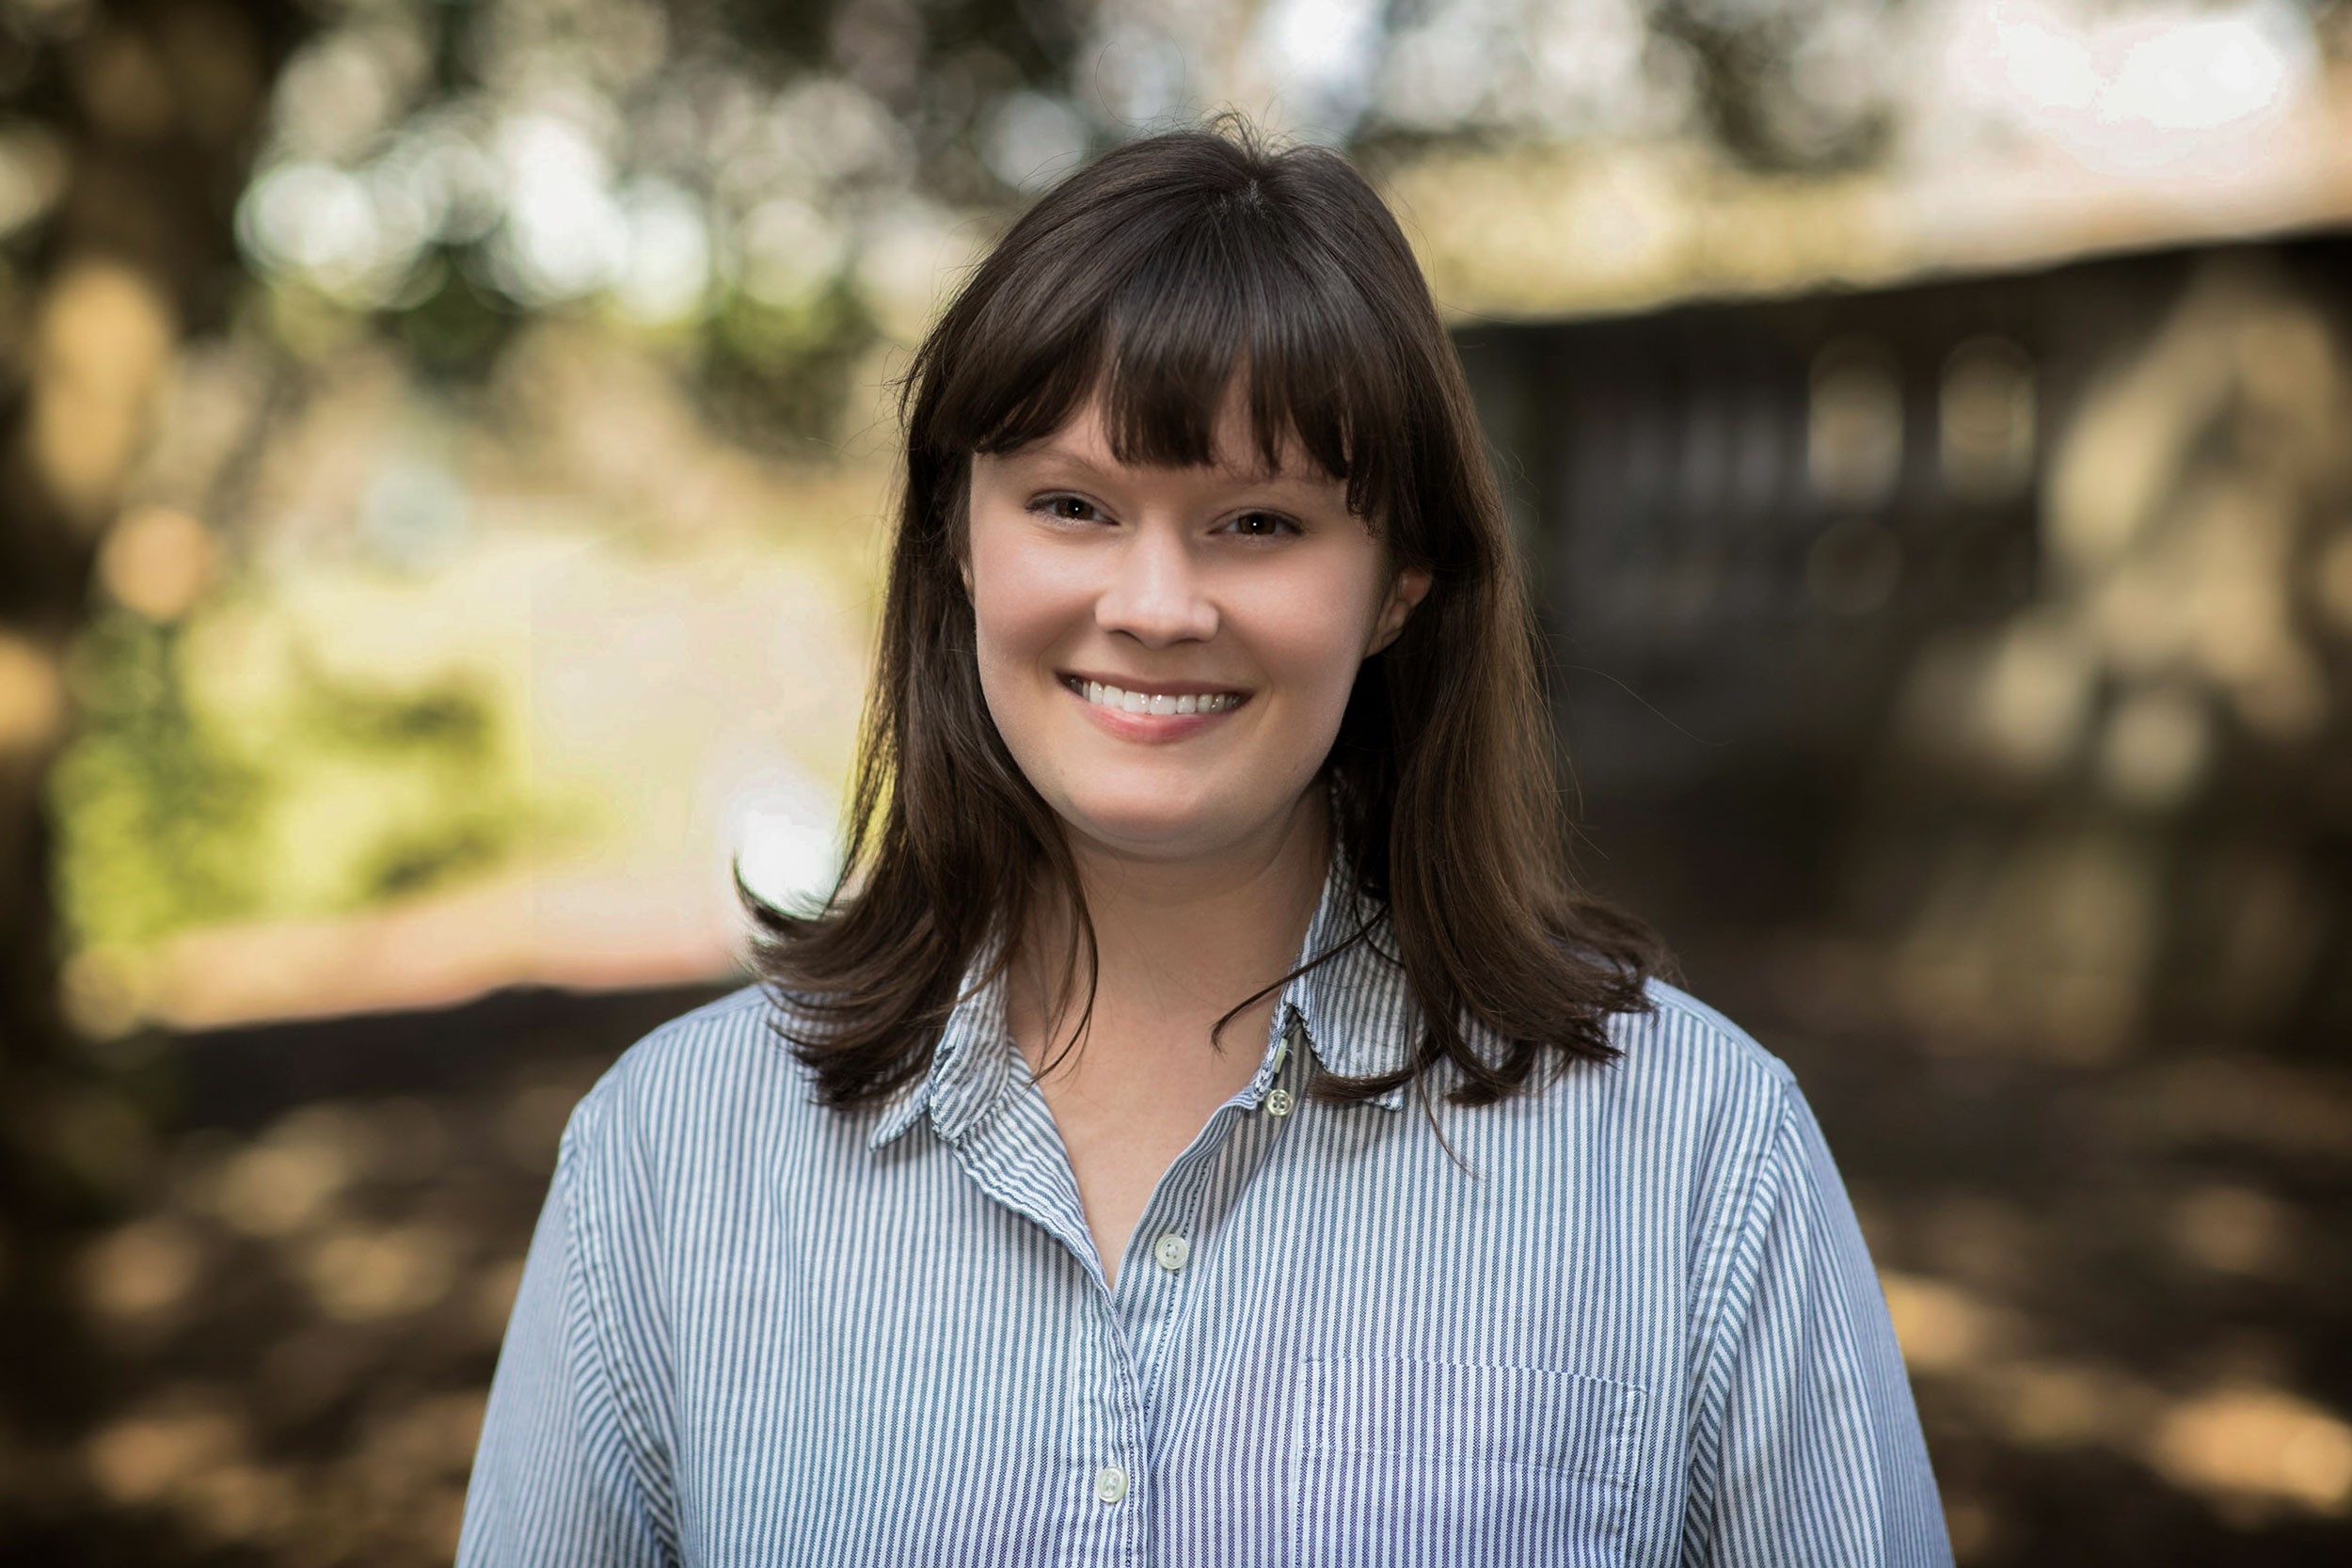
[132, 126]
[1787, 85]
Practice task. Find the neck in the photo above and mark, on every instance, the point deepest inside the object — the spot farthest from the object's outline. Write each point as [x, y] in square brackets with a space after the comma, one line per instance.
[1181, 941]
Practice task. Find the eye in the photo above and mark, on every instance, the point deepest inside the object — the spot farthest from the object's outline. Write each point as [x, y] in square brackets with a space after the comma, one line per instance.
[1066, 508]
[1262, 525]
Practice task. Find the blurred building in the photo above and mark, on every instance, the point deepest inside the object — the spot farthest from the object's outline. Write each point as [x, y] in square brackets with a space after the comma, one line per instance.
[2044, 574]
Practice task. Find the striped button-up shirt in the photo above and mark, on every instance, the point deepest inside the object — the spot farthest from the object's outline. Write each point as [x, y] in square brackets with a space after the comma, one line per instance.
[1628, 1319]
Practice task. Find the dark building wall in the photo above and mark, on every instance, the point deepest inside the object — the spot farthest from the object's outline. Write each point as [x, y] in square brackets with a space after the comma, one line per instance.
[1761, 528]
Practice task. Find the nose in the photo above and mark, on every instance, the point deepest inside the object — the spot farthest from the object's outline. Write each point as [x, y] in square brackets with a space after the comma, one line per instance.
[1155, 593]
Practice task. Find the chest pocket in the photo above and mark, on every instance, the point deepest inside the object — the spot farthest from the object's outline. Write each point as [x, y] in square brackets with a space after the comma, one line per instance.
[1426, 1463]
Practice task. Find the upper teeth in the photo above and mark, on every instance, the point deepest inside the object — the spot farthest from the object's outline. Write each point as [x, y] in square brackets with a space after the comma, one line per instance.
[1138, 701]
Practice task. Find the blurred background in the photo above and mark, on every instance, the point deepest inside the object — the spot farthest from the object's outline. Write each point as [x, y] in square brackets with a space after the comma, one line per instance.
[444, 451]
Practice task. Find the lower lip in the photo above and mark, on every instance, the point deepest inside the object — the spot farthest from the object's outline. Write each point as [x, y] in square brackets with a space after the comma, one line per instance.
[1152, 727]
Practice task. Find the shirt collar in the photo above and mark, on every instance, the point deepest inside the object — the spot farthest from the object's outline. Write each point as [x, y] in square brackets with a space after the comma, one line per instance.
[1353, 1010]
[970, 1066]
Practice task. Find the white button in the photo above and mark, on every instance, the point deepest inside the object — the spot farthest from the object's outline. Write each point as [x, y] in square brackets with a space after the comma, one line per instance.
[1170, 1251]
[1110, 1483]
[1278, 1103]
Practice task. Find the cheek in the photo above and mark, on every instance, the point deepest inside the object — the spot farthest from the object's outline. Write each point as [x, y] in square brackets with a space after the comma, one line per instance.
[1310, 637]
[1020, 606]
[1027, 608]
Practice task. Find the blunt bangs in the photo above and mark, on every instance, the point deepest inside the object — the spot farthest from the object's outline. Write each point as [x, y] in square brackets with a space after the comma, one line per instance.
[1228, 282]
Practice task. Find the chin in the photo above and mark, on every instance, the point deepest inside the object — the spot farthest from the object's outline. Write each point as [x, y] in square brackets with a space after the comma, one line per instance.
[1153, 826]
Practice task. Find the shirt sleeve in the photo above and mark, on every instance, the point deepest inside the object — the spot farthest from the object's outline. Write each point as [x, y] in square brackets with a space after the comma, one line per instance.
[558, 1478]
[1817, 1456]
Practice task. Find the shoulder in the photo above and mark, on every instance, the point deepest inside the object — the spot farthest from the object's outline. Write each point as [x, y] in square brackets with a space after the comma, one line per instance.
[703, 1079]
[1681, 1050]
[1686, 1117]
[729, 1038]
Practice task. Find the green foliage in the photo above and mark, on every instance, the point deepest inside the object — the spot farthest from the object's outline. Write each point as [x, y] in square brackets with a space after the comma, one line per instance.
[343, 794]
[154, 814]
[446, 733]
[781, 372]
[452, 326]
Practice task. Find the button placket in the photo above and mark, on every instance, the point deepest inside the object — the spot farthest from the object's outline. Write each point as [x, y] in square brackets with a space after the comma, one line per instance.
[1151, 1301]
[1152, 1307]
[1171, 1222]
[1111, 1435]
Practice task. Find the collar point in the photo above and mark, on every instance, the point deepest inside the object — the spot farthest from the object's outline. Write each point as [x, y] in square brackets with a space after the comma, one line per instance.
[898, 1113]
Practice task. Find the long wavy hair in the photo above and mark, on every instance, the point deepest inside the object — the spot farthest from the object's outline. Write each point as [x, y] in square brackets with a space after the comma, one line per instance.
[1154, 279]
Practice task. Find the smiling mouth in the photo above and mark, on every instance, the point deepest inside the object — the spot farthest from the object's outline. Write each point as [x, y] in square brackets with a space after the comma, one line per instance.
[1120, 700]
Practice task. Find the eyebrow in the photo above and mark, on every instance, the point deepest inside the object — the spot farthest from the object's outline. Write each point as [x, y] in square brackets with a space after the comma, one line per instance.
[1042, 452]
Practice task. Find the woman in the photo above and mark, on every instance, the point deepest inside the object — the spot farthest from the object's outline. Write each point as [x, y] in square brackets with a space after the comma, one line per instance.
[1205, 1127]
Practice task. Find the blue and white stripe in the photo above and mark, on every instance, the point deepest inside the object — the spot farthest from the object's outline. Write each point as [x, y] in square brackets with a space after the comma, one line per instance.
[1627, 1321]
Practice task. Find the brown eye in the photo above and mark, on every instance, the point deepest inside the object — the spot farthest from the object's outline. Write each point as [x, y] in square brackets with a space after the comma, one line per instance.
[1070, 508]
[1260, 525]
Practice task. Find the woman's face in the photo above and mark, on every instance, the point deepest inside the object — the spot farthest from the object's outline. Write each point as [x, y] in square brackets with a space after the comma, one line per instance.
[1167, 651]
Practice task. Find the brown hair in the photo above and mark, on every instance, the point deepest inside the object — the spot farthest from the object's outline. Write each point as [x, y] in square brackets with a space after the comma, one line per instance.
[1151, 277]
